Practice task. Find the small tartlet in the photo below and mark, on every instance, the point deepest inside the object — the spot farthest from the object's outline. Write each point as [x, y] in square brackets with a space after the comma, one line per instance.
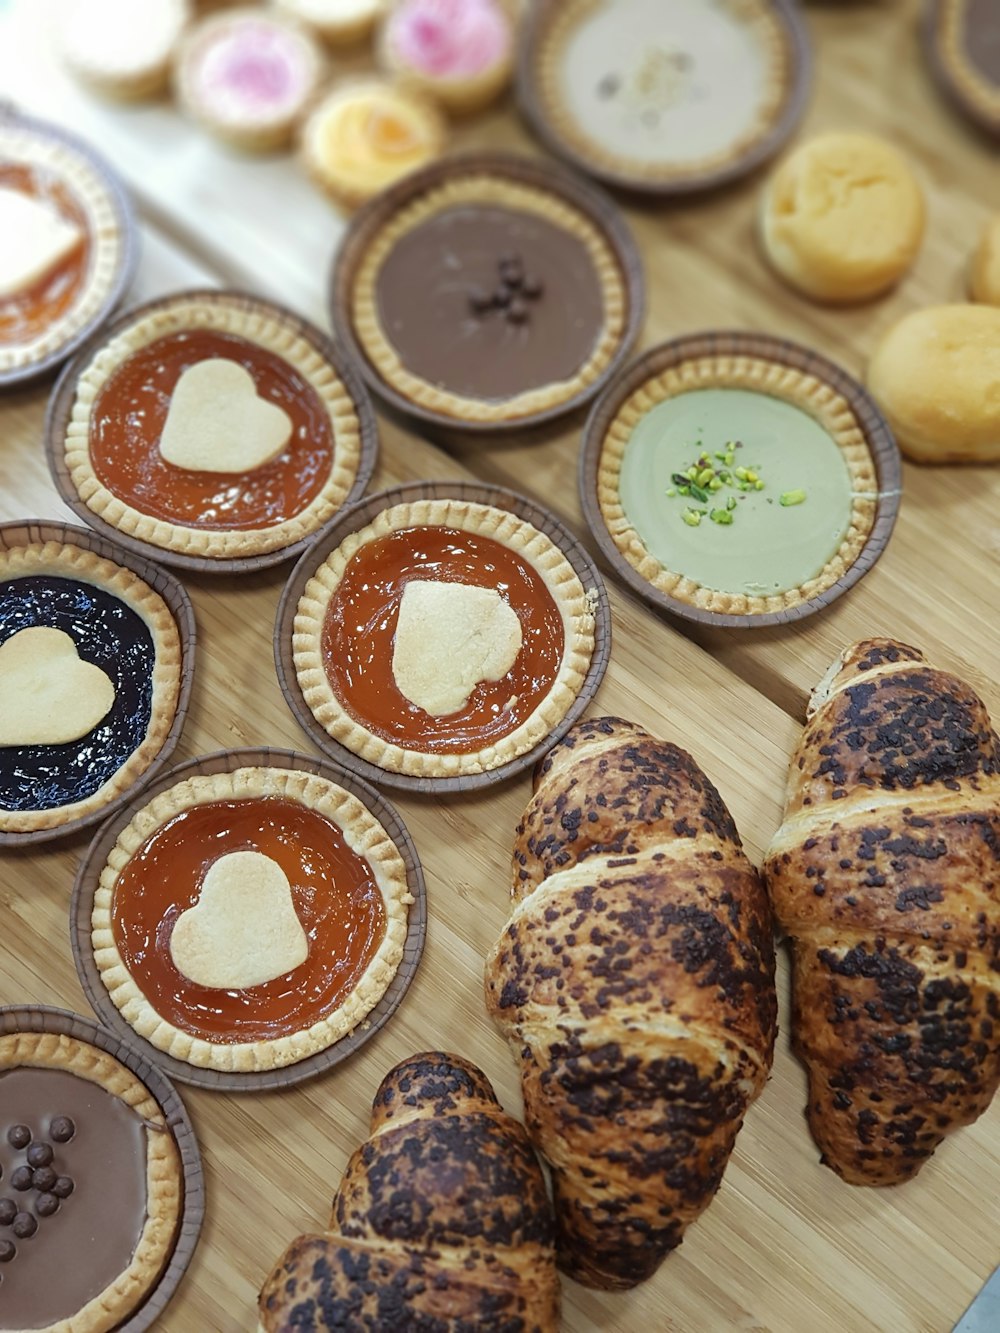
[960, 56]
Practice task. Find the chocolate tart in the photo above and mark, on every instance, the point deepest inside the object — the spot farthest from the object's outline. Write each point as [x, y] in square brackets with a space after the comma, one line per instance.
[96, 664]
[487, 293]
[255, 917]
[737, 479]
[210, 429]
[962, 41]
[101, 1169]
[69, 247]
[664, 99]
[486, 633]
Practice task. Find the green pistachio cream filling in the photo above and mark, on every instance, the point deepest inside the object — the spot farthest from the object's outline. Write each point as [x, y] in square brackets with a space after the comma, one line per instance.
[739, 491]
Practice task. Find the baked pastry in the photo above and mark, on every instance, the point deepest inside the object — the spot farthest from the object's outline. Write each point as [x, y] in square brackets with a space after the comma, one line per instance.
[214, 425]
[635, 984]
[90, 680]
[842, 219]
[477, 637]
[248, 76]
[487, 294]
[365, 135]
[441, 1220]
[339, 22]
[735, 482]
[883, 875]
[936, 376]
[984, 272]
[460, 52]
[248, 919]
[664, 98]
[90, 1187]
[66, 253]
[119, 48]
[964, 42]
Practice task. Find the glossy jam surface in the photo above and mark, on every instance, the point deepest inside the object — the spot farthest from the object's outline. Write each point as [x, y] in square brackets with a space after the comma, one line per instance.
[334, 891]
[130, 412]
[110, 635]
[361, 625]
[26, 314]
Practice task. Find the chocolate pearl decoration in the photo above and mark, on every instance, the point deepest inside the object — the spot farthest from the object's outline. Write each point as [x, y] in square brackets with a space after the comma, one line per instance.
[24, 1226]
[46, 1205]
[21, 1178]
[7, 1251]
[502, 297]
[19, 1136]
[517, 312]
[39, 1154]
[44, 1178]
[480, 299]
[62, 1129]
[63, 1187]
[532, 286]
[8, 1211]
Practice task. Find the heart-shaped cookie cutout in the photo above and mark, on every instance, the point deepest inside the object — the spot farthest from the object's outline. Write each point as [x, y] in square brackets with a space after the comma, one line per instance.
[35, 240]
[243, 931]
[48, 696]
[217, 423]
[449, 638]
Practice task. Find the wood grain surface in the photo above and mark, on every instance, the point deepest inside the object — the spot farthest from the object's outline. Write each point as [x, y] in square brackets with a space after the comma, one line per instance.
[786, 1247]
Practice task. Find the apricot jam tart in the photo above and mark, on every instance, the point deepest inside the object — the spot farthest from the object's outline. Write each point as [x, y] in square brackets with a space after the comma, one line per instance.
[247, 920]
[444, 638]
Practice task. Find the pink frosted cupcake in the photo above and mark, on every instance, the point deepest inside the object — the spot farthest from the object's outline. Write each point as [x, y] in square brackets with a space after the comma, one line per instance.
[457, 51]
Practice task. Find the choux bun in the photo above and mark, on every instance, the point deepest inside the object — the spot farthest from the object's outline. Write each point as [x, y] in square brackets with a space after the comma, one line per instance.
[842, 218]
[936, 376]
[984, 272]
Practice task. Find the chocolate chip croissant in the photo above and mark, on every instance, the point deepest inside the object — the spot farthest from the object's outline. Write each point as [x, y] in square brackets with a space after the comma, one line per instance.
[635, 983]
[886, 875]
[441, 1222]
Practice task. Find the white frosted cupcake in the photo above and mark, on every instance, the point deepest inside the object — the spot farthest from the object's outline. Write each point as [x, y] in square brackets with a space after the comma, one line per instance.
[120, 48]
[339, 22]
[460, 52]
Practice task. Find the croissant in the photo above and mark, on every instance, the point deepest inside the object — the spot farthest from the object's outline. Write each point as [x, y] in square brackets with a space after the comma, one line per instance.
[635, 984]
[441, 1224]
[886, 875]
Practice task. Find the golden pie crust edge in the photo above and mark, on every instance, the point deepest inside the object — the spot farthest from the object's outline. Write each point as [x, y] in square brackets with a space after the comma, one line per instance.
[363, 834]
[164, 1173]
[24, 145]
[535, 548]
[548, 65]
[829, 408]
[277, 334]
[484, 188]
[975, 87]
[59, 560]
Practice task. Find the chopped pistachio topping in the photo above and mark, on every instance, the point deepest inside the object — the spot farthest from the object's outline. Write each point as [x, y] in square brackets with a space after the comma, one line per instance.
[792, 498]
[708, 474]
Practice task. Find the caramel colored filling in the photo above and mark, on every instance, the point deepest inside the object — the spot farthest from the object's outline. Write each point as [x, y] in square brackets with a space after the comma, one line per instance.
[336, 899]
[361, 624]
[130, 412]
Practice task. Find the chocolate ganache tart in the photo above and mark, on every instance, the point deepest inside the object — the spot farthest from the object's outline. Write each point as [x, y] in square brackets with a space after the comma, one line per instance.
[91, 1186]
[443, 638]
[248, 919]
[487, 292]
[211, 426]
[92, 676]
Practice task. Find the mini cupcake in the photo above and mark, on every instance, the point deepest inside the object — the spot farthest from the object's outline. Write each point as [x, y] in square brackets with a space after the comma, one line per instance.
[365, 135]
[119, 48]
[458, 51]
[339, 22]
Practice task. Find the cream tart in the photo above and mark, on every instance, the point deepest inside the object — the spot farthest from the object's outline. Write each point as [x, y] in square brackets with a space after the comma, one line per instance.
[732, 481]
[249, 919]
[68, 248]
[91, 1186]
[444, 638]
[91, 667]
[215, 426]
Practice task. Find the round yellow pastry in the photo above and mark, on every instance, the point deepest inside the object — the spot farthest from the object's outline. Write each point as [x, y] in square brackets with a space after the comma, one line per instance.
[936, 376]
[364, 136]
[984, 273]
[842, 219]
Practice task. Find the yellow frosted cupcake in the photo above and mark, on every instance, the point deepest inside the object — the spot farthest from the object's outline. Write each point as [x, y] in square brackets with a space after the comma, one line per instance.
[364, 136]
[460, 52]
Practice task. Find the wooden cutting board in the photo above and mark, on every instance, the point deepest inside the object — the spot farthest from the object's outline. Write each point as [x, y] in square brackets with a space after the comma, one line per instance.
[785, 1247]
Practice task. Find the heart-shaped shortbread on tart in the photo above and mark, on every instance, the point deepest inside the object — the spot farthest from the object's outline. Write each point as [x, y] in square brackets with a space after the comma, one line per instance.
[449, 638]
[35, 240]
[217, 423]
[48, 696]
[243, 931]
